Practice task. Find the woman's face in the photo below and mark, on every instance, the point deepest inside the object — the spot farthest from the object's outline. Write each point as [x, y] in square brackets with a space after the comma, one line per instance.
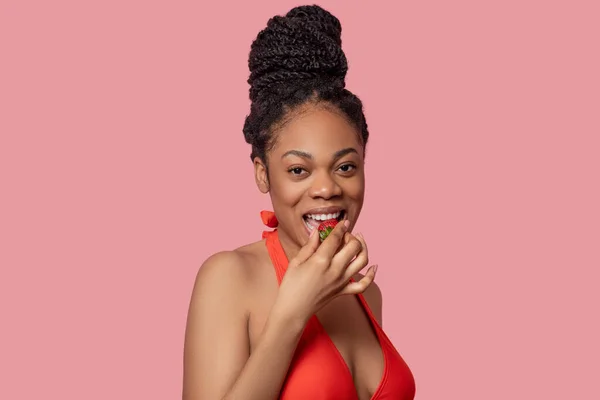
[315, 172]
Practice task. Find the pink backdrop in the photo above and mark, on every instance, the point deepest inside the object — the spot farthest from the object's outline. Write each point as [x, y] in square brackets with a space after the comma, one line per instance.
[121, 146]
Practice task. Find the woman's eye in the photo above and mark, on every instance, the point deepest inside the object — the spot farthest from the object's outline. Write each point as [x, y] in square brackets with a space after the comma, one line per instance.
[347, 167]
[296, 170]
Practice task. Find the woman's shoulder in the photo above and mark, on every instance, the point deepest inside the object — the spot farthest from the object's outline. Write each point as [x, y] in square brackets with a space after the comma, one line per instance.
[222, 291]
[233, 269]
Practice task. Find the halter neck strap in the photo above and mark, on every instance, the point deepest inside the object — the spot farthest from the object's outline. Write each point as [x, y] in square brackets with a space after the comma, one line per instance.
[276, 252]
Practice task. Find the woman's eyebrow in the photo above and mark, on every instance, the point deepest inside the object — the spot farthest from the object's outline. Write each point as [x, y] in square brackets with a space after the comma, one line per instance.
[303, 154]
[341, 153]
[298, 153]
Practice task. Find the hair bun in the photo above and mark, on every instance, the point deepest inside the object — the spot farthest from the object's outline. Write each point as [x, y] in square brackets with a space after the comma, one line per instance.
[319, 18]
[304, 46]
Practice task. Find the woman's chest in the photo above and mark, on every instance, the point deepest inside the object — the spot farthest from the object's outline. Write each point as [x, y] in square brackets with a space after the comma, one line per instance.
[339, 349]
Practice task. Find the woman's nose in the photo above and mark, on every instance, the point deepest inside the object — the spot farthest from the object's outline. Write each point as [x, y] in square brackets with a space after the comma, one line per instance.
[324, 186]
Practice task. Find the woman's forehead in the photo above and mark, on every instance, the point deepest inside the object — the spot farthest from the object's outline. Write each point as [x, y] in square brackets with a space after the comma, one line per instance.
[316, 131]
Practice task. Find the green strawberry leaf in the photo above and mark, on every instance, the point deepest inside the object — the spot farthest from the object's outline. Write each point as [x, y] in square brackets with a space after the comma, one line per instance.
[324, 233]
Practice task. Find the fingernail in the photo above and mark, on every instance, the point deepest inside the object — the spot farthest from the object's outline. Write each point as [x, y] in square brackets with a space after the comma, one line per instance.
[360, 235]
[346, 224]
[375, 268]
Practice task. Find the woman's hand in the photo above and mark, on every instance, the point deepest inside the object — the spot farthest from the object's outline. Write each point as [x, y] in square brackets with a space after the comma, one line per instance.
[321, 272]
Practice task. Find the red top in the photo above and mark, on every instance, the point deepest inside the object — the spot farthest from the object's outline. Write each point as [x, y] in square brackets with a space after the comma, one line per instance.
[318, 371]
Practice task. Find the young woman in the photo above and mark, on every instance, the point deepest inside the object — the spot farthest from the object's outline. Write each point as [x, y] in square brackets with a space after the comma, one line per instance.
[288, 316]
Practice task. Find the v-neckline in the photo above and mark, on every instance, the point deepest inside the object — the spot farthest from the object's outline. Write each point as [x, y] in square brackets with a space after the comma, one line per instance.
[281, 258]
[380, 340]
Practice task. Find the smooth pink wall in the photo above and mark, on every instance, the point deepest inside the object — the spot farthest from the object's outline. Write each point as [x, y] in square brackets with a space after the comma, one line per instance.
[121, 150]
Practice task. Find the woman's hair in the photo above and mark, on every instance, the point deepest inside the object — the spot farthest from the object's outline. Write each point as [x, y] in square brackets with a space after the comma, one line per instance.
[297, 59]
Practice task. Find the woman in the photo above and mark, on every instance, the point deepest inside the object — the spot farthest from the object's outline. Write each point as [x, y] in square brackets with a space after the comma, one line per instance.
[289, 317]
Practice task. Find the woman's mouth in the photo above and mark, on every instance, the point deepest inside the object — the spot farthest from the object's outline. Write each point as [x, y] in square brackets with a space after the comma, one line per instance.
[312, 221]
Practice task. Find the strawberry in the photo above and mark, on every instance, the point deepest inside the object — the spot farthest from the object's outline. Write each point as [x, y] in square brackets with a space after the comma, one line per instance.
[326, 227]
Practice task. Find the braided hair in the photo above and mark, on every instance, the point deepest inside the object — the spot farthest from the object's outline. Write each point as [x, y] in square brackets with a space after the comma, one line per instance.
[297, 59]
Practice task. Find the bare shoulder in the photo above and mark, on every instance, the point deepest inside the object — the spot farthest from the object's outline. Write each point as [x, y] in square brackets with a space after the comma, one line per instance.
[216, 329]
[374, 298]
[230, 269]
[222, 266]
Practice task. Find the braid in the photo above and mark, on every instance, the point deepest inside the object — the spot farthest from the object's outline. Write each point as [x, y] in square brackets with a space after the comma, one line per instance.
[297, 59]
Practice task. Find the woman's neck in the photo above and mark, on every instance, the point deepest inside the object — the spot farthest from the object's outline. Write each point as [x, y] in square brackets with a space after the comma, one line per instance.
[290, 247]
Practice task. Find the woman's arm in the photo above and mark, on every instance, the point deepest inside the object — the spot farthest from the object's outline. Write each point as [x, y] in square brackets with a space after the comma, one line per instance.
[217, 360]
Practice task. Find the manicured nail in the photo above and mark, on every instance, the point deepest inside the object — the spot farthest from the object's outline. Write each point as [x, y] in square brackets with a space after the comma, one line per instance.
[375, 268]
[346, 224]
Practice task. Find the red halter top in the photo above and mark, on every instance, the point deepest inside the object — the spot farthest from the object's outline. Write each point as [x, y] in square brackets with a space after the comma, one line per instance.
[318, 371]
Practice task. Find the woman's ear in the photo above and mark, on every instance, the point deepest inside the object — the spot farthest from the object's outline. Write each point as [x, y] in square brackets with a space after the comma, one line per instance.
[260, 175]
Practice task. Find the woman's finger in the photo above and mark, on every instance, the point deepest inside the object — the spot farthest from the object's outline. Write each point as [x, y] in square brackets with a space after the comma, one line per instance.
[346, 255]
[360, 261]
[309, 248]
[362, 285]
[332, 243]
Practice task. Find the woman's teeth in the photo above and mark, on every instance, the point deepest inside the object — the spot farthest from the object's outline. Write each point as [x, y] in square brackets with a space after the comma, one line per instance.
[312, 221]
[311, 224]
[323, 217]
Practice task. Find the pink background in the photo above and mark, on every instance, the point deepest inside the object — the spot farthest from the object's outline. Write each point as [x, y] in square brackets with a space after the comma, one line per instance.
[121, 146]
